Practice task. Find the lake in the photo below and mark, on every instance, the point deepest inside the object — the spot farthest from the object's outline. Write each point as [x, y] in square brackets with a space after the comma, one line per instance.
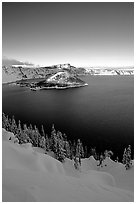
[100, 114]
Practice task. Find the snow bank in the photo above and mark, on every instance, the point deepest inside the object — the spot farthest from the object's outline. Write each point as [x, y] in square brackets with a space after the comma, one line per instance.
[8, 136]
[19, 158]
[89, 164]
[29, 175]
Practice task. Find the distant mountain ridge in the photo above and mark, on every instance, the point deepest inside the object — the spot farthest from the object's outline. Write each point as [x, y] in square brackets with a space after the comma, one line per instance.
[18, 70]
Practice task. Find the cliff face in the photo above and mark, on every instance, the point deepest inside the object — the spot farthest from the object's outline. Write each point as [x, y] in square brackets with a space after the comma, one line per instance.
[14, 73]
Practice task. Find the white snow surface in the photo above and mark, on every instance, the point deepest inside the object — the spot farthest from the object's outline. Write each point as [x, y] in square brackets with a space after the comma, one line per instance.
[29, 175]
[58, 74]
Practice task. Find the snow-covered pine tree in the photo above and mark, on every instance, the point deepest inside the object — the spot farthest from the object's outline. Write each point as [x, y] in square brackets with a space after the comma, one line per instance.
[20, 135]
[76, 163]
[128, 158]
[124, 156]
[67, 149]
[53, 140]
[37, 136]
[79, 150]
[60, 153]
[13, 126]
[5, 122]
[47, 143]
[25, 134]
[108, 153]
[30, 133]
[42, 142]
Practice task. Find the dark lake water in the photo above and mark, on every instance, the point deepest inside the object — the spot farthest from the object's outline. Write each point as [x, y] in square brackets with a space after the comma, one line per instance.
[101, 114]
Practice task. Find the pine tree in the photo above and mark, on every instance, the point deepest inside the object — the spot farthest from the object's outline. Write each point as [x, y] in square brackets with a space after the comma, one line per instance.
[124, 156]
[106, 154]
[110, 153]
[26, 134]
[20, 135]
[76, 163]
[128, 158]
[53, 140]
[9, 124]
[30, 133]
[13, 126]
[42, 143]
[5, 122]
[79, 150]
[67, 149]
[60, 151]
[47, 143]
[37, 136]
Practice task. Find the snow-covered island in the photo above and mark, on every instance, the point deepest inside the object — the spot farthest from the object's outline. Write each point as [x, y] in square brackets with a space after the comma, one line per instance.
[30, 175]
[60, 80]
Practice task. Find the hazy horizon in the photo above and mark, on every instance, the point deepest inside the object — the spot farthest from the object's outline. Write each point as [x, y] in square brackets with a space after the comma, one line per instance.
[82, 34]
[9, 61]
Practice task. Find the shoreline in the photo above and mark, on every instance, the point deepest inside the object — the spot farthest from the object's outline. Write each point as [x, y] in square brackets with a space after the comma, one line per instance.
[58, 88]
[95, 75]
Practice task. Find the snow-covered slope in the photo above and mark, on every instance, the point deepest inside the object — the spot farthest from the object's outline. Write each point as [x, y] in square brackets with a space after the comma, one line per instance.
[30, 175]
[60, 76]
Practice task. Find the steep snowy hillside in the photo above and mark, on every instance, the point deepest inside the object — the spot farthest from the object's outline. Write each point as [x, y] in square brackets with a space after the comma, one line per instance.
[30, 175]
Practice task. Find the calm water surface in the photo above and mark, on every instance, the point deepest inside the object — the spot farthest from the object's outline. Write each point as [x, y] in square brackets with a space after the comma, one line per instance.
[101, 114]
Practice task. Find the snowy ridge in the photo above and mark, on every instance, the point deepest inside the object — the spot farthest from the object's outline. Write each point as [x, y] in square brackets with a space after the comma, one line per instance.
[30, 175]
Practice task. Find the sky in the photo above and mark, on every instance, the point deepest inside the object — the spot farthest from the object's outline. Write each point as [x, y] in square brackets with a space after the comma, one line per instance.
[82, 34]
